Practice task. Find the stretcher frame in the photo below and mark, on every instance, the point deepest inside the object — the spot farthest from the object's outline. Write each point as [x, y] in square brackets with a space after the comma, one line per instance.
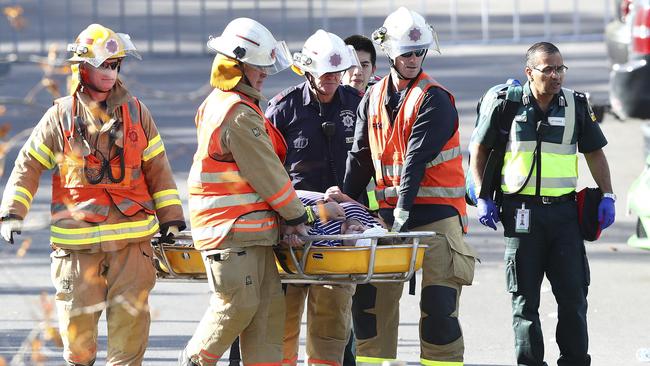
[299, 258]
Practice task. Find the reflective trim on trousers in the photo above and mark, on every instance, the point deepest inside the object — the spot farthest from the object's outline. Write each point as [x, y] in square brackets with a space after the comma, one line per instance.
[108, 232]
[426, 362]
[371, 361]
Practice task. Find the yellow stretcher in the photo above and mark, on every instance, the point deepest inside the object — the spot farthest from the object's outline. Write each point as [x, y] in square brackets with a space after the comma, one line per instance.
[312, 264]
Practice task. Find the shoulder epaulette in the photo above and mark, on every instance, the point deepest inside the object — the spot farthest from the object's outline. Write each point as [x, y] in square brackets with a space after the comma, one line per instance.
[283, 94]
[580, 96]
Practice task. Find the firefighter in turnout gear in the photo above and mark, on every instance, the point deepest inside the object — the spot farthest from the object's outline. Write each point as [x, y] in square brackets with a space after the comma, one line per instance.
[239, 192]
[112, 190]
[407, 137]
[317, 120]
[538, 181]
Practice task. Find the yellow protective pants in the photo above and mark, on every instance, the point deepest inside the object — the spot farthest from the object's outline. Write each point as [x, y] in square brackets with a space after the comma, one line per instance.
[448, 265]
[86, 284]
[246, 301]
[328, 322]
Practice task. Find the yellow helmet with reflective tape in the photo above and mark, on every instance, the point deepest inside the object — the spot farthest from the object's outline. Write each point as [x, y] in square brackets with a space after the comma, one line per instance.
[97, 43]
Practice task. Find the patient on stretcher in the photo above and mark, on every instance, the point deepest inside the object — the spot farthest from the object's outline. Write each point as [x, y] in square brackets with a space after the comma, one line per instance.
[350, 217]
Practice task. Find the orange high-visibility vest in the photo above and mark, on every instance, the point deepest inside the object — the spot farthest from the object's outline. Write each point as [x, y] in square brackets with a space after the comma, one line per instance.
[219, 195]
[444, 180]
[73, 196]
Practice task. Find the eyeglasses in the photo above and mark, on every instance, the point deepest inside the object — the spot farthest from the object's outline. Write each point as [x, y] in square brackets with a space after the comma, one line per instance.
[418, 53]
[110, 65]
[548, 70]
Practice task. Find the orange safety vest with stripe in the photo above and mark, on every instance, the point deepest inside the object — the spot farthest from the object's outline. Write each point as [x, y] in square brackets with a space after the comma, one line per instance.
[74, 196]
[219, 195]
[444, 180]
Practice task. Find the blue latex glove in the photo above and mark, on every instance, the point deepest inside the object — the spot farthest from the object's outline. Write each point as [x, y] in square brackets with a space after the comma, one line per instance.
[606, 212]
[488, 214]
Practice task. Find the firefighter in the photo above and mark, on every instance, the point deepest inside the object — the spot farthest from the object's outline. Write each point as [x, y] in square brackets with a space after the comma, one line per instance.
[407, 137]
[317, 120]
[239, 191]
[539, 176]
[112, 190]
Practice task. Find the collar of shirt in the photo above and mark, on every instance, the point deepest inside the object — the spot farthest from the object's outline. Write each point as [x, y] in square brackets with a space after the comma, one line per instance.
[555, 103]
[307, 95]
[250, 92]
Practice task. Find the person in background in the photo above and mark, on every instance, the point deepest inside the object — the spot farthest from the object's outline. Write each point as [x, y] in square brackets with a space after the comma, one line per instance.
[317, 120]
[363, 76]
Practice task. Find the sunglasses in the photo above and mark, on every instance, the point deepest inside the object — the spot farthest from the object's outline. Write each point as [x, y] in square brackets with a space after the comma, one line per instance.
[110, 65]
[418, 53]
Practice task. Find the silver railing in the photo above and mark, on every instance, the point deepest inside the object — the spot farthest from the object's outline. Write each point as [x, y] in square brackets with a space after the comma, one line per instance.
[182, 26]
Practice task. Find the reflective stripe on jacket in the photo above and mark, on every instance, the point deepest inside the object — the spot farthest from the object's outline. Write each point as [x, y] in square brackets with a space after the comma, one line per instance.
[559, 160]
[219, 195]
[72, 193]
[443, 181]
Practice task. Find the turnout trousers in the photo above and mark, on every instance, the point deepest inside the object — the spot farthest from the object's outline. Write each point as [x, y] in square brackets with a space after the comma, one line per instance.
[552, 247]
[119, 282]
[328, 322]
[448, 265]
[246, 301]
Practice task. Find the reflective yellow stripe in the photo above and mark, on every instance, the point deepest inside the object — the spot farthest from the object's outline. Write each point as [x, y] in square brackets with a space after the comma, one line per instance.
[154, 148]
[26, 192]
[100, 233]
[43, 154]
[166, 198]
[440, 363]
[23, 196]
[372, 360]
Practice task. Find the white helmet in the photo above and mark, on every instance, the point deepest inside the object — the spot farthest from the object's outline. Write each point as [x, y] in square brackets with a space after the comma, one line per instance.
[405, 31]
[250, 42]
[322, 53]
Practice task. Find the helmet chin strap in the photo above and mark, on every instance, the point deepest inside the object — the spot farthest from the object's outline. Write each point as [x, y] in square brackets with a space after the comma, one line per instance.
[312, 84]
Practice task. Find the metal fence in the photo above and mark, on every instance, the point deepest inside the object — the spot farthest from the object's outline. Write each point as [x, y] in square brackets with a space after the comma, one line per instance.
[182, 26]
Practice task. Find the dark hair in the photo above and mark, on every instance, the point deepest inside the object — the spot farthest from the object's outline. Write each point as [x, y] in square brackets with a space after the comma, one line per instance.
[542, 47]
[362, 43]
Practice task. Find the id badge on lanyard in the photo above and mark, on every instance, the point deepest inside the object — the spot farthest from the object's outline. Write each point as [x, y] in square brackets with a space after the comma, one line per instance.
[522, 219]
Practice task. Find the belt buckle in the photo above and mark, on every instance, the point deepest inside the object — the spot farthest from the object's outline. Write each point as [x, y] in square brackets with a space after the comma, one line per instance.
[546, 200]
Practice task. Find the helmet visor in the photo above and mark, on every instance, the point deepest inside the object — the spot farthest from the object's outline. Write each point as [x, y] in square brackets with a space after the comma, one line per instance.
[393, 47]
[282, 59]
[112, 47]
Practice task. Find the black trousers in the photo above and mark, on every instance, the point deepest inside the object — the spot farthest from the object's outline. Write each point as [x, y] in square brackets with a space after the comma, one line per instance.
[553, 247]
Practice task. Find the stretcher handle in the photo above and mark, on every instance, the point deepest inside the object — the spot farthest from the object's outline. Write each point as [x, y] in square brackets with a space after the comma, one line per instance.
[403, 235]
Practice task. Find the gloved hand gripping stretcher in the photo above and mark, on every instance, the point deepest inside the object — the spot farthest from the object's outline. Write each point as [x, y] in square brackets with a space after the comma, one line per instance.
[311, 263]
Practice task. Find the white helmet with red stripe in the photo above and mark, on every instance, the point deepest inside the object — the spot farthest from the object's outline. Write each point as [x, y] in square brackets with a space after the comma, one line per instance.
[404, 31]
[248, 41]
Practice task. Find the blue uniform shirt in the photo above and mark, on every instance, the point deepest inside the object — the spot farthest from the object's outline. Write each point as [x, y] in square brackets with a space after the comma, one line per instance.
[295, 112]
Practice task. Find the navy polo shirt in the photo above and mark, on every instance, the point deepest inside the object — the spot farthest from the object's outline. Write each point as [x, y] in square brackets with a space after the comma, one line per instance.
[296, 114]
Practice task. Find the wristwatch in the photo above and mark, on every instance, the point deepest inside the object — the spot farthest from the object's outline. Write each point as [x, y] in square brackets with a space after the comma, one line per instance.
[610, 195]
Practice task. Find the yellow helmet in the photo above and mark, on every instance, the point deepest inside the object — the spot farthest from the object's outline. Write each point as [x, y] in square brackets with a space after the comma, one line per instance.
[97, 44]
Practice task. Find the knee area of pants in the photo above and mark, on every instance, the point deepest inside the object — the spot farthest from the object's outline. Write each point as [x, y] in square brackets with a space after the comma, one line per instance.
[365, 324]
[439, 327]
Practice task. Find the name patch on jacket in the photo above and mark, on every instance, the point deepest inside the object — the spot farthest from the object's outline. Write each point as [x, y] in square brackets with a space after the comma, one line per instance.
[556, 121]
